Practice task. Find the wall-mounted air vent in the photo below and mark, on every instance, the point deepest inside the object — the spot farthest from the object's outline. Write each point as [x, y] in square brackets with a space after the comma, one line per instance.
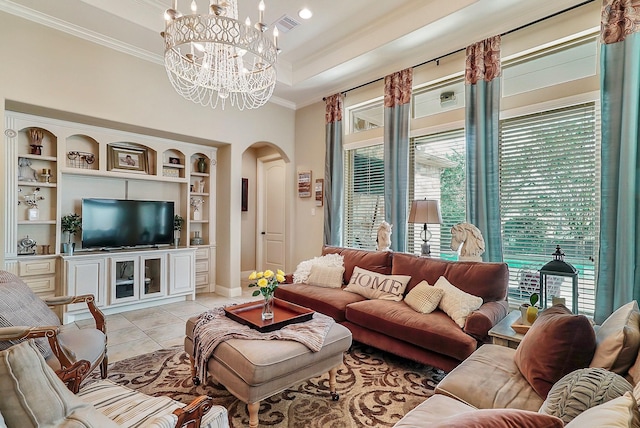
[286, 23]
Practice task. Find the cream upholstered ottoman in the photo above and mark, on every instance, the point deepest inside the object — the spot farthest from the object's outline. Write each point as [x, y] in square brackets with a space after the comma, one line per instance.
[253, 370]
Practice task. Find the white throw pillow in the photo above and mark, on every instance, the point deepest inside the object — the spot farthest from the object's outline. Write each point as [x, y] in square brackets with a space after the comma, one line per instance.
[326, 276]
[301, 275]
[455, 302]
[424, 298]
[620, 412]
[373, 285]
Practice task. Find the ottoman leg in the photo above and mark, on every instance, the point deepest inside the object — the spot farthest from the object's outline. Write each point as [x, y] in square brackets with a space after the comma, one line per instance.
[196, 379]
[253, 409]
[332, 384]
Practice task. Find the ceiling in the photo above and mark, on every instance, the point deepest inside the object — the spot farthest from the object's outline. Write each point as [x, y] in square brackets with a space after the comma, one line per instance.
[345, 44]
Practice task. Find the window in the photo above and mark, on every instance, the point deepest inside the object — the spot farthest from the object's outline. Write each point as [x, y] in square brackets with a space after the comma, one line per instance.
[367, 116]
[549, 190]
[437, 172]
[364, 205]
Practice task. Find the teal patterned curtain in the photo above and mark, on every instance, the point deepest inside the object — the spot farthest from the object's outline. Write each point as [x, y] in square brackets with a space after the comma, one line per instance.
[397, 110]
[619, 258]
[333, 172]
[482, 112]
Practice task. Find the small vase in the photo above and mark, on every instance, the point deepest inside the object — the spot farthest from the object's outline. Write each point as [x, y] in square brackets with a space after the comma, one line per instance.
[267, 309]
[202, 165]
[33, 214]
[176, 242]
[197, 215]
[67, 248]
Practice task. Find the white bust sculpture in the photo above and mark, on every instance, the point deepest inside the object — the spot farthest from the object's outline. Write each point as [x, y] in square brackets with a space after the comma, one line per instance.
[384, 237]
[468, 241]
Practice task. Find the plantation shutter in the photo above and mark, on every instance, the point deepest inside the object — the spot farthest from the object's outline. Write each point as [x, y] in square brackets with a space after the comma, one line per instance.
[364, 205]
[437, 172]
[550, 193]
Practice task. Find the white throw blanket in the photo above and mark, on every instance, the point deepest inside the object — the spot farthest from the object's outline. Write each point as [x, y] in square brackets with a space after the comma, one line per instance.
[207, 334]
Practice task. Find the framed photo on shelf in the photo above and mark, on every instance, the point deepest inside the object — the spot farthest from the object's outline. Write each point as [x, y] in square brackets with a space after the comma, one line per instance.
[127, 159]
[174, 161]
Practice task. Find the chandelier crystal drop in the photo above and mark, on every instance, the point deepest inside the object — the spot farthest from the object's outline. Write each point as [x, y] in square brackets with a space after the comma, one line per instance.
[213, 59]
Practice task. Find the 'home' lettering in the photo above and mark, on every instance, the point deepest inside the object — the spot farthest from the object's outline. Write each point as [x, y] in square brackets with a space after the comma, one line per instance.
[388, 285]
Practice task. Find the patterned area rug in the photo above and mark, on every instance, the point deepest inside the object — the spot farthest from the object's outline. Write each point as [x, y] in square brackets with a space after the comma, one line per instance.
[376, 389]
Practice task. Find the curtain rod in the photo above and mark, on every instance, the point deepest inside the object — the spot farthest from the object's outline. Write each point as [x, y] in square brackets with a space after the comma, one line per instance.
[437, 60]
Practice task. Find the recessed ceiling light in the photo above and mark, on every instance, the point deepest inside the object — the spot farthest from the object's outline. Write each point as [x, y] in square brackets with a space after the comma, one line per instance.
[305, 13]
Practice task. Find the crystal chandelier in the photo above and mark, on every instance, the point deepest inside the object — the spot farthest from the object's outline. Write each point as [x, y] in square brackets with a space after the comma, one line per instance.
[213, 58]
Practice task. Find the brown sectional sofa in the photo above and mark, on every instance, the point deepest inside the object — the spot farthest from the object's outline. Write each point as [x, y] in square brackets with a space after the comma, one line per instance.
[433, 339]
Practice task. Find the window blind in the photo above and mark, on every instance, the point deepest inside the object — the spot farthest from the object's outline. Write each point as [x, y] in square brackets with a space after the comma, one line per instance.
[364, 205]
[437, 171]
[550, 193]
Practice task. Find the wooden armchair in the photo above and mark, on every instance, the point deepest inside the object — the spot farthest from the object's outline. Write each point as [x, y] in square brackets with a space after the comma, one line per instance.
[23, 315]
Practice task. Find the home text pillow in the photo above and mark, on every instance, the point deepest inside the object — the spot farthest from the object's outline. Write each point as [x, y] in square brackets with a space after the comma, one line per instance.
[424, 298]
[558, 343]
[620, 412]
[455, 302]
[499, 418]
[31, 391]
[373, 285]
[618, 340]
[301, 275]
[326, 276]
[581, 390]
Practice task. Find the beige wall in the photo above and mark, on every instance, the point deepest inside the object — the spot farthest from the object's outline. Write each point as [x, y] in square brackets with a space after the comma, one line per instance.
[48, 72]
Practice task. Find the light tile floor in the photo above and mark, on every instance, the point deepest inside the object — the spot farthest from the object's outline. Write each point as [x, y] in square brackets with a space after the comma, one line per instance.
[146, 330]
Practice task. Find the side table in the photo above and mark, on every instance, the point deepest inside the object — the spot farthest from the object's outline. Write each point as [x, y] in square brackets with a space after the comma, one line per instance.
[502, 334]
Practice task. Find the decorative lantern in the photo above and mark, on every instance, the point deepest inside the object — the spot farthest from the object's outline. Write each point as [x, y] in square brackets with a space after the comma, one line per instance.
[549, 274]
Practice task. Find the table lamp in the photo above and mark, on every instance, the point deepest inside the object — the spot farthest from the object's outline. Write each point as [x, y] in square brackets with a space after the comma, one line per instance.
[426, 211]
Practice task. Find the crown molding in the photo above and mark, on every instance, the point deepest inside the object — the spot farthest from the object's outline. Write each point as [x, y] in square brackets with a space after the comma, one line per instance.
[74, 30]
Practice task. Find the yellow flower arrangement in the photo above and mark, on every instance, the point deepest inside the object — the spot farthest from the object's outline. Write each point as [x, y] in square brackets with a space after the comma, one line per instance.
[266, 281]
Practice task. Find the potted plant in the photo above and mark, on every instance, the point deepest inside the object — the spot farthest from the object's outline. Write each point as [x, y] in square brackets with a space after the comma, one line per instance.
[72, 224]
[178, 221]
[529, 311]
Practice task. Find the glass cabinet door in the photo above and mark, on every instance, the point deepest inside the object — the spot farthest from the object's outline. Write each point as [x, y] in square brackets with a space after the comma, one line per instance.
[124, 281]
[152, 281]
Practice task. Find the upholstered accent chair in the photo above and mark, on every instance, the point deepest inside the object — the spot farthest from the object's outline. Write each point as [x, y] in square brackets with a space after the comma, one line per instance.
[23, 315]
[33, 395]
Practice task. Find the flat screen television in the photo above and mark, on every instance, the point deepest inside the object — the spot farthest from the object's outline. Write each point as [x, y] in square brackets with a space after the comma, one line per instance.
[114, 223]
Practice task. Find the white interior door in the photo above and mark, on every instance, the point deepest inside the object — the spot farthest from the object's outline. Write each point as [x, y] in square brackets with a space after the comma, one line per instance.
[271, 217]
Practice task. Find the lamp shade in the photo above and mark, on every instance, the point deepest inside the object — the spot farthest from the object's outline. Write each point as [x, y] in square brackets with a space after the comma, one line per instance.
[425, 211]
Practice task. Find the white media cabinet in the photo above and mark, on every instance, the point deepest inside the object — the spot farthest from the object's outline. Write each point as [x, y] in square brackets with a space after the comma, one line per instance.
[123, 280]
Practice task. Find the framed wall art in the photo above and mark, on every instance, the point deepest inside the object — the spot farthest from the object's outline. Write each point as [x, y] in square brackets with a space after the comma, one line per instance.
[304, 184]
[127, 159]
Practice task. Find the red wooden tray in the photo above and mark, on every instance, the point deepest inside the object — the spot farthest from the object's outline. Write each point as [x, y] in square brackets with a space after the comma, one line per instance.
[284, 313]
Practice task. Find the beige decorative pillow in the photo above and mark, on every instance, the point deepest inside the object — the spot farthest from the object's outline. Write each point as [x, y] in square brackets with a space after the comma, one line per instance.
[373, 285]
[618, 340]
[621, 412]
[326, 276]
[424, 298]
[31, 391]
[455, 302]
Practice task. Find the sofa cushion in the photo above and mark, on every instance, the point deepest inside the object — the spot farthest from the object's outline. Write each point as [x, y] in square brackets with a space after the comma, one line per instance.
[558, 343]
[582, 389]
[618, 340]
[25, 379]
[487, 280]
[455, 302]
[490, 379]
[435, 331]
[424, 298]
[373, 285]
[302, 272]
[326, 276]
[329, 301]
[620, 412]
[432, 410]
[19, 306]
[499, 418]
[375, 261]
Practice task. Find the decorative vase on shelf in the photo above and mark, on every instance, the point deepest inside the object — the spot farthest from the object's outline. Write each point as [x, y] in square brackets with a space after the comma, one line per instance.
[202, 165]
[176, 242]
[197, 239]
[197, 214]
[68, 248]
[267, 309]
